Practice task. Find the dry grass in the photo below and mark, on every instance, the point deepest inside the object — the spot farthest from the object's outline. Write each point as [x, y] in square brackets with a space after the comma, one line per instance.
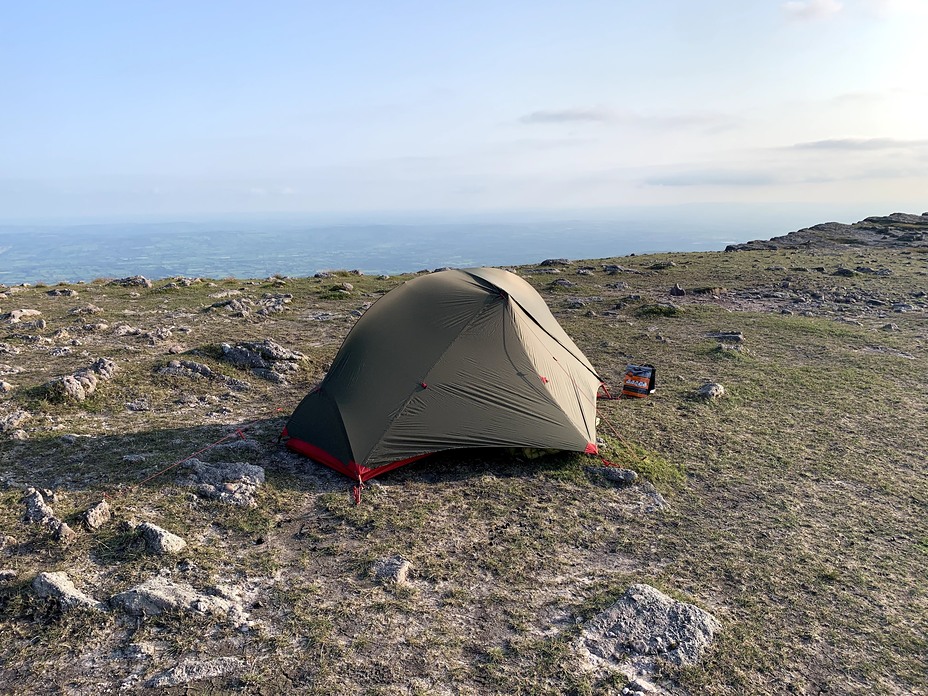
[797, 505]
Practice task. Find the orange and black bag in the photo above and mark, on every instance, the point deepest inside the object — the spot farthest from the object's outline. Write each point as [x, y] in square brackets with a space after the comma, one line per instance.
[640, 381]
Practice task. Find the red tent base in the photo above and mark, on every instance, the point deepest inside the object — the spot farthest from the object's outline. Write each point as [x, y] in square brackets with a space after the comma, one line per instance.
[353, 470]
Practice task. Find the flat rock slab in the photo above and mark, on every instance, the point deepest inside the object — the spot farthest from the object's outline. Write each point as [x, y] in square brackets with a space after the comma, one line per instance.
[235, 483]
[158, 595]
[58, 586]
[646, 622]
[190, 670]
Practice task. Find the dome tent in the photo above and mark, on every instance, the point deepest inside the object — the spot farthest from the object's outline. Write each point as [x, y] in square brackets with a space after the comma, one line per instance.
[453, 359]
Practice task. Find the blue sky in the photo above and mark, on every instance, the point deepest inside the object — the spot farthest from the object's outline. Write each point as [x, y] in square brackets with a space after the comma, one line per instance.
[184, 108]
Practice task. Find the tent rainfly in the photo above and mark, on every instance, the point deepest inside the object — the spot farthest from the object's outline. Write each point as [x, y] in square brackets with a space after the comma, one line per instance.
[449, 360]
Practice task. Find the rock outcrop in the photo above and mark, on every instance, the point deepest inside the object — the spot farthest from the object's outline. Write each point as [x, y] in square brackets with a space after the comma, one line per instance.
[896, 230]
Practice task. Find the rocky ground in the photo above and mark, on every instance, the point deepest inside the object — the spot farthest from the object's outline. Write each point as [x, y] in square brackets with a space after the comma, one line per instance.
[764, 531]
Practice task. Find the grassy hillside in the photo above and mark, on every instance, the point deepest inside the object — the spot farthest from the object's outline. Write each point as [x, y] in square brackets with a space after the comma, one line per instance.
[797, 505]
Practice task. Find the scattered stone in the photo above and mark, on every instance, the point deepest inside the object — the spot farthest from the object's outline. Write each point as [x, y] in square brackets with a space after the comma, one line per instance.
[63, 534]
[38, 511]
[58, 586]
[176, 349]
[5, 387]
[620, 477]
[235, 483]
[555, 262]
[677, 290]
[585, 272]
[394, 569]
[160, 541]
[661, 266]
[87, 309]
[140, 404]
[62, 293]
[9, 369]
[8, 576]
[190, 670]
[158, 594]
[81, 384]
[563, 282]
[845, 273]
[12, 421]
[8, 349]
[68, 388]
[97, 515]
[652, 500]
[647, 623]
[710, 391]
[126, 330]
[132, 281]
[17, 315]
[133, 458]
[890, 327]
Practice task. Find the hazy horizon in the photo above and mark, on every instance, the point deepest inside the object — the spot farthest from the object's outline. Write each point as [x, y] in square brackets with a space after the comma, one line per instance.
[252, 246]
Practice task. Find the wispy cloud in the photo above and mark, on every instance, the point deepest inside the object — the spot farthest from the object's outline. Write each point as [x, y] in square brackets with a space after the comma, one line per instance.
[713, 177]
[859, 144]
[805, 10]
[603, 115]
[597, 115]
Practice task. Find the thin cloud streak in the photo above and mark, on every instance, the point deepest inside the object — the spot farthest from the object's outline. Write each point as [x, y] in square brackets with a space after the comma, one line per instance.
[810, 10]
[859, 144]
[569, 116]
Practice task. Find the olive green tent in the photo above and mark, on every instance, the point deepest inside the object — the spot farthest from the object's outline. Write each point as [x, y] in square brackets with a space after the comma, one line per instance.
[453, 359]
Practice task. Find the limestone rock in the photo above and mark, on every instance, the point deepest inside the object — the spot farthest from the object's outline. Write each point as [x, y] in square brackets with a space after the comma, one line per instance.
[63, 533]
[98, 515]
[394, 569]
[17, 315]
[235, 483]
[38, 511]
[132, 281]
[67, 388]
[87, 309]
[58, 586]
[159, 594]
[160, 541]
[647, 623]
[12, 421]
[710, 391]
[618, 476]
[190, 670]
